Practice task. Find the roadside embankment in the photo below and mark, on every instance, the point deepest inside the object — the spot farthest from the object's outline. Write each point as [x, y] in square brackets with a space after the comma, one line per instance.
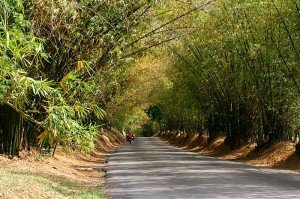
[69, 174]
[279, 155]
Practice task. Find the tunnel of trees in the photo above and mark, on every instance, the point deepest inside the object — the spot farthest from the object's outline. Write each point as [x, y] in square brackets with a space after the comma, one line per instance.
[70, 68]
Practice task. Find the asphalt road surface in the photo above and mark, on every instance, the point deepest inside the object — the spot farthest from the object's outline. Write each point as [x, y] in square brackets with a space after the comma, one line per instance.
[150, 168]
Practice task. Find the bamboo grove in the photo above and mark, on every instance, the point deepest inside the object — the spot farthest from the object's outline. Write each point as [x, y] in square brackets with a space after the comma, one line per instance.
[70, 68]
[238, 75]
[64, 62]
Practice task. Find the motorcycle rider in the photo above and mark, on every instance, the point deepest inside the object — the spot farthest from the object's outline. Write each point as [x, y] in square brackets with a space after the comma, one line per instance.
[129, 137]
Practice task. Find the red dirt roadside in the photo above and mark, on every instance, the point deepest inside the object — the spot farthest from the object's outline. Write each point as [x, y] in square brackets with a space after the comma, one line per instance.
[279, 155]
[70, 166]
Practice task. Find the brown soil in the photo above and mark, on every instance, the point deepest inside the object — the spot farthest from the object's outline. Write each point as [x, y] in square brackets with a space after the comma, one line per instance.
[279, 155]
[72, 166]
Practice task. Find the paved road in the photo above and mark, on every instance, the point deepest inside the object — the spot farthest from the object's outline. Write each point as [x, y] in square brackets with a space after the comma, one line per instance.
[150, 168]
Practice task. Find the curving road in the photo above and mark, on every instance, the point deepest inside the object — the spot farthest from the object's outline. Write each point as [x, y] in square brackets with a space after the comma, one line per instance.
[150, 168]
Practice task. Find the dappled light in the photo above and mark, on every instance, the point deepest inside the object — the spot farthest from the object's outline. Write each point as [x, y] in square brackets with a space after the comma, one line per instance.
[218, 78]
[149, 168]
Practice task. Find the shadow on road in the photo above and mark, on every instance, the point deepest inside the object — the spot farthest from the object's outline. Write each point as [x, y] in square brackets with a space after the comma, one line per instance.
[150, 168]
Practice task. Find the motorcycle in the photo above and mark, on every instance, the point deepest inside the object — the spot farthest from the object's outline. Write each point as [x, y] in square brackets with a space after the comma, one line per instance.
[129, 138]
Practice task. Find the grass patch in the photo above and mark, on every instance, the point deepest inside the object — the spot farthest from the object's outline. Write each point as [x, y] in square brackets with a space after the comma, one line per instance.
[24, 185]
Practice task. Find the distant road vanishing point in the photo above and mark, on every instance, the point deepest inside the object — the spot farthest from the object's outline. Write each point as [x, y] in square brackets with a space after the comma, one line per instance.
[150, 168]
